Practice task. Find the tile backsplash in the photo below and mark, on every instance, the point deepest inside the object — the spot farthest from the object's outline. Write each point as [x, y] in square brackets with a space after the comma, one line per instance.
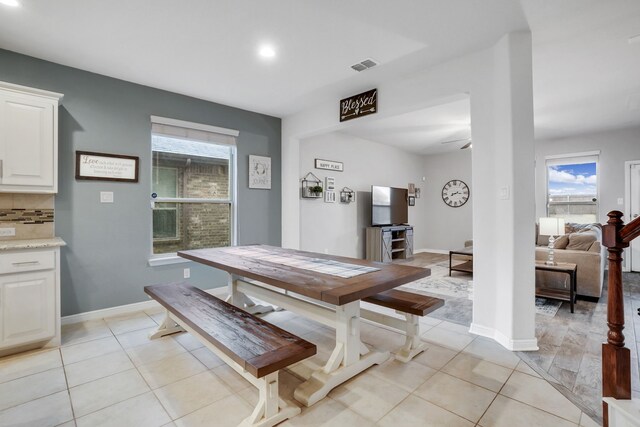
[31, 215]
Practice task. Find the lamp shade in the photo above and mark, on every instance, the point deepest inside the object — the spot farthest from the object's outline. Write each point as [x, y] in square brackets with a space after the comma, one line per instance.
[552, 226]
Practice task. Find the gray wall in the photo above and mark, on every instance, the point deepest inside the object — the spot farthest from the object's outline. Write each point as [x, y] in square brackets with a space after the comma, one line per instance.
[616, 147]
[105, 262]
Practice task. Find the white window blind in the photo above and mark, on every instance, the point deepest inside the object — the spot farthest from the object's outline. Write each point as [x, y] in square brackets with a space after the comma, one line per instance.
[192, 131]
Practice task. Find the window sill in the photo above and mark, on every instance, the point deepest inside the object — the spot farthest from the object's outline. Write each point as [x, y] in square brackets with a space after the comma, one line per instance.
[166, 260]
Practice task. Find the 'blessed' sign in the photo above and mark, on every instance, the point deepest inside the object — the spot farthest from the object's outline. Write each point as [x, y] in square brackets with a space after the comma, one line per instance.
[359, 105]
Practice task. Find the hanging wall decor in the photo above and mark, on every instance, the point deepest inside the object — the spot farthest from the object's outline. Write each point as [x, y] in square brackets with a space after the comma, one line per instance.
[347, 195]
[311, 187]
[359, 105]
[106, 167]
[329, 165]
[260, 172]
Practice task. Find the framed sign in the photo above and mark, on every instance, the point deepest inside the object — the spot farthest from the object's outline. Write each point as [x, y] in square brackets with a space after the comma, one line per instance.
[106, 167]
[329, 165]
[260, 172]
[359, 105]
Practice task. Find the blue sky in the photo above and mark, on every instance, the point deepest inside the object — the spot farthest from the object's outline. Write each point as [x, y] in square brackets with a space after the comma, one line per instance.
[577, 179]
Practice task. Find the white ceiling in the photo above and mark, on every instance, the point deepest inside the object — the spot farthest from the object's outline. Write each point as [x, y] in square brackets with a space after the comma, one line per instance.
[421, 132]
[585, 72]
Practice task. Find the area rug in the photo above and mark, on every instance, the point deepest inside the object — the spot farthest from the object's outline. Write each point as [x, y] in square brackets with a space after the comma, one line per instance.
[448, 286]
[547, 307]
[440, 283]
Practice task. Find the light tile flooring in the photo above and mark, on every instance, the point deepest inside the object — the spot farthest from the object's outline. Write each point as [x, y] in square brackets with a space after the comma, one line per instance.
[107, 373]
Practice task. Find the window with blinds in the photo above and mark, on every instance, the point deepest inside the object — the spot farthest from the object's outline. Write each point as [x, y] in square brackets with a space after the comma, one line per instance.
[572, 187]
[193, 185]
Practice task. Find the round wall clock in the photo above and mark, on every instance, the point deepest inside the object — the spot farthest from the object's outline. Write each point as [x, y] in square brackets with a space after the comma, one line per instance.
[455, 193]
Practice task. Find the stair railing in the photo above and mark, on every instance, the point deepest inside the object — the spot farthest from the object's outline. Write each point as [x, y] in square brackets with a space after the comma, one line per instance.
[616, 358]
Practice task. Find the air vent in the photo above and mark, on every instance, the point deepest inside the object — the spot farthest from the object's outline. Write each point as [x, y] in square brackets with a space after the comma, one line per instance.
[364, 65]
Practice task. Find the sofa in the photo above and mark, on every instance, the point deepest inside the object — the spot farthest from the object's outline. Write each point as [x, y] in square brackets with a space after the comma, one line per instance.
[581, 245]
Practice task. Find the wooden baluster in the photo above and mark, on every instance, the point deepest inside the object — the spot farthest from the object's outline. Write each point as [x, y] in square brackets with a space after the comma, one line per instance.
[616, 358]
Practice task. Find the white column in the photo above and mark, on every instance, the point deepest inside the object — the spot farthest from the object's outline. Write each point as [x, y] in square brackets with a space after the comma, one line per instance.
[503, 205]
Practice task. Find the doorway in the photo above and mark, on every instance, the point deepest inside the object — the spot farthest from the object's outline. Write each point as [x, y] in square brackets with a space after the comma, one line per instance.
[632, 175]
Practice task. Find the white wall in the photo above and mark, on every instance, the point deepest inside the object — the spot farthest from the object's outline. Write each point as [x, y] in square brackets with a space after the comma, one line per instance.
[445, 227]
[499, 83]
[338, 228]
[616, 147]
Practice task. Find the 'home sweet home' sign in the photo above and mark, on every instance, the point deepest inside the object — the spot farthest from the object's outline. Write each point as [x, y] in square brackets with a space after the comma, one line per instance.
[360, 105]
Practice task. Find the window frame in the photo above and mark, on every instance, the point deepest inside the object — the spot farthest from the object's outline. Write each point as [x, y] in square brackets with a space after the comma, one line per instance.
[172, 257]
[177, 234]
[573, 158]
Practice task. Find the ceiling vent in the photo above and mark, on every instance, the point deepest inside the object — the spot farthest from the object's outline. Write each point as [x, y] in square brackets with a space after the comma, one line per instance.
[364, 65]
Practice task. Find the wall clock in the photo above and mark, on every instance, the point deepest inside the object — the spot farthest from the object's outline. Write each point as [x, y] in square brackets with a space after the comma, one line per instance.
[455, 193]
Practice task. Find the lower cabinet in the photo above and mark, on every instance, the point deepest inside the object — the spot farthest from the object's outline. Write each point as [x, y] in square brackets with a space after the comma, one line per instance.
[29, 299]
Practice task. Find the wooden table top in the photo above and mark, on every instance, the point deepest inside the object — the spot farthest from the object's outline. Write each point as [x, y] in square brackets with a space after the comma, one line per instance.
[323, 287]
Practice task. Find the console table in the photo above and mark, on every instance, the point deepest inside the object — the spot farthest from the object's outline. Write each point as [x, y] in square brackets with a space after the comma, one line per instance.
[388, 243]
[560, 294]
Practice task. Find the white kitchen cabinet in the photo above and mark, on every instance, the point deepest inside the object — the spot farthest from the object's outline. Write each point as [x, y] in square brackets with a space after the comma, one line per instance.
[28, 139]
[29, 299]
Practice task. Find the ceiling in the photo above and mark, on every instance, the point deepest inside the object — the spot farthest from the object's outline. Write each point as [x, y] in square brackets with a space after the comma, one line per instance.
[422, 131]
[585, 71]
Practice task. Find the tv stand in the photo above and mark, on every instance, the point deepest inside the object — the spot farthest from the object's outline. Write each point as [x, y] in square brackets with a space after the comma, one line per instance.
[388, 243]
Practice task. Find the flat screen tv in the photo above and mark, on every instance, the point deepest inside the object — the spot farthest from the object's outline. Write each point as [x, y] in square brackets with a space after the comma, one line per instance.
[389, 206]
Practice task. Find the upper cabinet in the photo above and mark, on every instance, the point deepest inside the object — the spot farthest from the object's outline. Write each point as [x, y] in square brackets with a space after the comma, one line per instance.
[28, 139]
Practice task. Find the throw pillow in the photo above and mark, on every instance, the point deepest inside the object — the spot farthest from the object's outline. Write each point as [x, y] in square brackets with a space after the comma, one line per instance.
[561, 242]
[581, 241]
[542, 240]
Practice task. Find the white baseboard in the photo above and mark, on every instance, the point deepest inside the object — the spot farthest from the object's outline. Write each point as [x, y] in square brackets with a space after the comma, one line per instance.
[503, 340]
[434, 251]
[123, 310]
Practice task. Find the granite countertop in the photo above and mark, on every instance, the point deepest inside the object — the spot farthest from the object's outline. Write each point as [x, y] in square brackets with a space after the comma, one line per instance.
[8, 245]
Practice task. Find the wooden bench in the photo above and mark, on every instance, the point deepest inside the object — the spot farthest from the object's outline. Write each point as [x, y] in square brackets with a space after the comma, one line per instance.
[412, 306]
[254, 348]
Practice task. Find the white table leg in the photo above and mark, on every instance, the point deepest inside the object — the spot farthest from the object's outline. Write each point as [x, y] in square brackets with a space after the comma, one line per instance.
[349, 358]
[241, 300]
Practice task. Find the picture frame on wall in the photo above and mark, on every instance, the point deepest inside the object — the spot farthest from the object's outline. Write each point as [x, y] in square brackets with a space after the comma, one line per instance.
[106, 167]
[260, 172]
[412, 201]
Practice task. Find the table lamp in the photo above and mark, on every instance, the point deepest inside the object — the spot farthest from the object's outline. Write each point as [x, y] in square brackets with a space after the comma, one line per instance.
[551, 227]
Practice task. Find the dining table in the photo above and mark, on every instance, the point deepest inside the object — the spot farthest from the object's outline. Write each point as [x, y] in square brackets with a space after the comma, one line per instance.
[324, 288]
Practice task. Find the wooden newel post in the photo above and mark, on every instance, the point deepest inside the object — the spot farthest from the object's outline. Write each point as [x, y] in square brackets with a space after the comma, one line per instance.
[616, 358]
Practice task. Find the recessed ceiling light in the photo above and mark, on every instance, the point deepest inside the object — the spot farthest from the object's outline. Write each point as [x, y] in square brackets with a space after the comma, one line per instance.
[13, 3]
[267, 51]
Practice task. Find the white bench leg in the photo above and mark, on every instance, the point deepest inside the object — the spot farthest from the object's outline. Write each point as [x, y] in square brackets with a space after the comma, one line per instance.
[167, 327]
[270, 409]
[241, 300]
[413, 345]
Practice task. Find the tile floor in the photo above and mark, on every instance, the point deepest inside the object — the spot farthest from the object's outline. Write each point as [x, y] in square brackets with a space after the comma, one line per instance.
[570, 353]
[107, 373]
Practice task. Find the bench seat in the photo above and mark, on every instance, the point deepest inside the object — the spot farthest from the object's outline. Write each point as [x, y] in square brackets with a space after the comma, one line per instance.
[406, 302]
[252, 346]
[412, 306]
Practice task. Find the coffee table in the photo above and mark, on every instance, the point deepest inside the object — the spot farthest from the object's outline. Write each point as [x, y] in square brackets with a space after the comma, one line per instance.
[560, 294]
[466, 266]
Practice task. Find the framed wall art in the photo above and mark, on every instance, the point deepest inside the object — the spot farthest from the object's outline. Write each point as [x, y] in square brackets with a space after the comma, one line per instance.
[260, 172]
[106, 167]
